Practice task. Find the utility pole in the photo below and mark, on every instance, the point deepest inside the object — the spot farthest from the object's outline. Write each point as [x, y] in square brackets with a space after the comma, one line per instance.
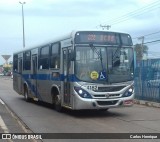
[105, 27]
[22, 3]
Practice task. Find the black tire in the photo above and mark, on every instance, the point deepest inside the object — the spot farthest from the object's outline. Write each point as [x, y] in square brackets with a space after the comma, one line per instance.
[26, 97]
[57, 103]
[103, 110]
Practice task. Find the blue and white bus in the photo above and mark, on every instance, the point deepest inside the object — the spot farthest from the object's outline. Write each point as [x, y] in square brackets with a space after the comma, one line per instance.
[84, 70]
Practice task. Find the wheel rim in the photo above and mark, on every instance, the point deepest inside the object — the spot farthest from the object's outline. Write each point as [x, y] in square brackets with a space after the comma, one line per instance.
[57, 100]
[57, 103]
[26, 95]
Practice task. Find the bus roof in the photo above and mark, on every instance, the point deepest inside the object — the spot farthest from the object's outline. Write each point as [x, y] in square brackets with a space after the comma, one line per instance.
[67, 36]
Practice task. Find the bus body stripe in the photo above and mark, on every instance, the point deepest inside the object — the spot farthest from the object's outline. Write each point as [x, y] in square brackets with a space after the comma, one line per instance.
[70, 77]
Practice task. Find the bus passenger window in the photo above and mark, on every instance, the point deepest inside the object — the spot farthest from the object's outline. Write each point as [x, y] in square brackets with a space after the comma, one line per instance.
[55, 56]
[44, 58]
[27, 60]
[15, 62]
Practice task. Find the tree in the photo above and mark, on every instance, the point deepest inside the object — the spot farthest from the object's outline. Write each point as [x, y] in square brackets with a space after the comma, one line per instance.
[138, 49]
[7, 69]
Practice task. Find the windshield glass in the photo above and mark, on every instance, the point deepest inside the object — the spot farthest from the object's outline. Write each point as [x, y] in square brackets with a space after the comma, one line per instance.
[104, 64]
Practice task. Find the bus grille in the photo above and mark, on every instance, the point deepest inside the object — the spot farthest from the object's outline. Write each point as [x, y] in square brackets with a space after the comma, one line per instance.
[109, 89]
[104, 103]
[109, 96]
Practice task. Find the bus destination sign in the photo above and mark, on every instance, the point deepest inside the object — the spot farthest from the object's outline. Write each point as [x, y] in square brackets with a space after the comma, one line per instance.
[102, 38]
[96, 37]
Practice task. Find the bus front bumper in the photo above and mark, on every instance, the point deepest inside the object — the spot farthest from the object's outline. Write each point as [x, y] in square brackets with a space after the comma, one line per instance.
[81, 103]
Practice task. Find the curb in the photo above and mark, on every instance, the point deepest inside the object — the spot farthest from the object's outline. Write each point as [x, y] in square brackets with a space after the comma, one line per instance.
[22, 125]
[147, 103]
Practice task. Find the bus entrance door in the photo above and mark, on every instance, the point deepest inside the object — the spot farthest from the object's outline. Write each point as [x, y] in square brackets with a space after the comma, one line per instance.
[34, 76]
[66, 98]
[19, 77]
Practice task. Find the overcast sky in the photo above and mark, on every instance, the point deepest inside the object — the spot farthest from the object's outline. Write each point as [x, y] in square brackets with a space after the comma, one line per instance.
[47, 19]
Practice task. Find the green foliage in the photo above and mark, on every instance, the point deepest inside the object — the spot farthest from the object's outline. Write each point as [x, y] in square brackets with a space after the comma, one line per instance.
[138, 49]
[7, 69]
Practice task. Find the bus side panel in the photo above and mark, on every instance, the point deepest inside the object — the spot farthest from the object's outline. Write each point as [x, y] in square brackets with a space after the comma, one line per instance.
[43, 86]
[54, 83]
[17, 83]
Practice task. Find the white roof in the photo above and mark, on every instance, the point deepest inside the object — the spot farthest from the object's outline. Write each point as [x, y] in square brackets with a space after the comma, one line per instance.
[60, 38]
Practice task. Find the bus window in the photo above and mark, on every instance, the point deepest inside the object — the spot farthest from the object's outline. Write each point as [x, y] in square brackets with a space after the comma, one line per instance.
[27, 60]
[55, 56]
[15, 62]
[44, 58]
[20, 65]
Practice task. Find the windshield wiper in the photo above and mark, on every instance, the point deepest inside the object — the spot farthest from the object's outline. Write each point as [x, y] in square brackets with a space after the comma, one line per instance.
[99, 54]
[115, 53]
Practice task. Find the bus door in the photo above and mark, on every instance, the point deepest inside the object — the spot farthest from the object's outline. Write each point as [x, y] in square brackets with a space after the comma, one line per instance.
[34, 75]
[66, 62]
[19, 77]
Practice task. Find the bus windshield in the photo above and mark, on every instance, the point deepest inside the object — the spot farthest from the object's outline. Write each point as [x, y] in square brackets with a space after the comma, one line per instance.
[104, 64]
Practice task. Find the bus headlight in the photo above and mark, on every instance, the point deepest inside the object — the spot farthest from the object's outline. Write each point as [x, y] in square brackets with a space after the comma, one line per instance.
[128, 93]
[82, 93]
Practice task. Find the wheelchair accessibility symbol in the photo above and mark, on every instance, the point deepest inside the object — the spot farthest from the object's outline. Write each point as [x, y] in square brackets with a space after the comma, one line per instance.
[102, 76]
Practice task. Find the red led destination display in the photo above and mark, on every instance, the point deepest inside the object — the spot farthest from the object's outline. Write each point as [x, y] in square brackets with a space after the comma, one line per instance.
[102, 38]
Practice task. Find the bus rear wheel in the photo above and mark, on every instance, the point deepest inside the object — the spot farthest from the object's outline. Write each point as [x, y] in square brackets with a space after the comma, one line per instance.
[26, 97]
[57, 103]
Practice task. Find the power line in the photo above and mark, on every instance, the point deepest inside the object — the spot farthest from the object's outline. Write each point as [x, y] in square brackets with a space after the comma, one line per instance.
[147, 35]
[152, 33]
[137, 12]
[152, 41]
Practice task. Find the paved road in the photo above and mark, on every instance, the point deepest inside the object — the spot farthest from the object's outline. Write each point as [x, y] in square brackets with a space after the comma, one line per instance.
[41, 118]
